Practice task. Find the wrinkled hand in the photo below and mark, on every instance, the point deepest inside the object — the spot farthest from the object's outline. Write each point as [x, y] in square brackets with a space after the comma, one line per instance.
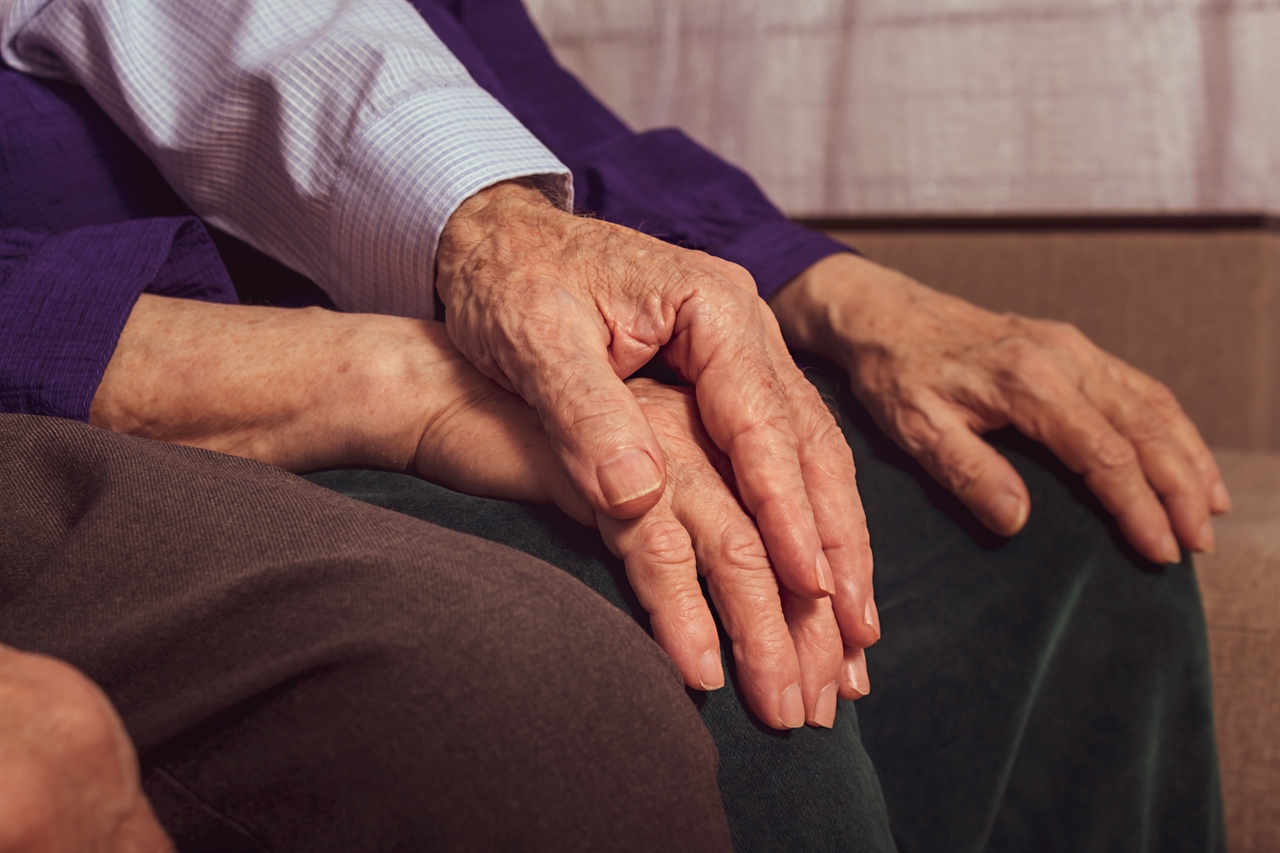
[309, 389]
[790, 656]
[560, 309]
[69, 777]
[936, 372]
[788, 648]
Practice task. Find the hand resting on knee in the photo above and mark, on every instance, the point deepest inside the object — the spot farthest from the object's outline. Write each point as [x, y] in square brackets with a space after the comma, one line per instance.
[937, 372]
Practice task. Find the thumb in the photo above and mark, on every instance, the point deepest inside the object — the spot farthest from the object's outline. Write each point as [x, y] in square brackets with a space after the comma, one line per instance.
[599, 432]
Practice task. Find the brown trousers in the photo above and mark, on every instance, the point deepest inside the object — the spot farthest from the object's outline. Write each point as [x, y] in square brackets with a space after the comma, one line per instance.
[303, 671]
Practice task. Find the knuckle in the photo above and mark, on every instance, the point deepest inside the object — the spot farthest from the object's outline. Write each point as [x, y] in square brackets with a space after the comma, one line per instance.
[772, 427]
[829, 438]
[665, 546]
[817, 417]
[671, 412]
[764, 646]
[85, 731]
[728, 309]
[578, 405]
[825, 631]
[1111, 453]
[1145, 427]
[1162, 399]
[1064, 333]
[682, 610]
[740, 278]
[1034, 368]
[728, 272]
[964, 473]
[1014, 350]
[742, 548]
[755, 593]
[911, 420]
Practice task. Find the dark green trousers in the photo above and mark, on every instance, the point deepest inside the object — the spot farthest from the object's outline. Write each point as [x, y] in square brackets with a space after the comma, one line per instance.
[1045, 692]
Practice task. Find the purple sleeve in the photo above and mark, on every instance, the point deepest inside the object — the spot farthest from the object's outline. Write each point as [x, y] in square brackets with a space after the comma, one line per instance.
[64, 299]
[660, 182]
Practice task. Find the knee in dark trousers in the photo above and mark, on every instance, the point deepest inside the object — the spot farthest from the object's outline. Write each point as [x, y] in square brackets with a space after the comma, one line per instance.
[302, 671]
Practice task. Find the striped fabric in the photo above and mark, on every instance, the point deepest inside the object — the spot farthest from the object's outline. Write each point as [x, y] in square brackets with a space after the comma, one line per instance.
[337, 136]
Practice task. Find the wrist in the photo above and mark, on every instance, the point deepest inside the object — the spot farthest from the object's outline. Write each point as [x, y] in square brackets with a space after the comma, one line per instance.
[841, 305]
[397, 377]
[492, 211]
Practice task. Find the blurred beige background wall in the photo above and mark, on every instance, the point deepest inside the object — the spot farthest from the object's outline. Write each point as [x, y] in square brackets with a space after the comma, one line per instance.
[981, 106]
[875, 108]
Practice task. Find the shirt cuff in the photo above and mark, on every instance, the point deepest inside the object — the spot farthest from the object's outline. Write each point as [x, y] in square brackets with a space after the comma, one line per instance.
[64, 300]
[778, 250]
[403, 179]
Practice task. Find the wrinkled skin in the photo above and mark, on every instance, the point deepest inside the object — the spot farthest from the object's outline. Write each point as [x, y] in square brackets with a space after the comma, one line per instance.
[937, 372]
[788, 648]
[560, 309]
[70, 776]
[312, 389]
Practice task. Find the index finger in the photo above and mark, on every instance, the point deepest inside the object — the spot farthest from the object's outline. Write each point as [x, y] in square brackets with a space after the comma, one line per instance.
[721, 344]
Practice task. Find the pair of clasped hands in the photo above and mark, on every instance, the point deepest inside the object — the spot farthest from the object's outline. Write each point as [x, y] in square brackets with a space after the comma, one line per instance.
[743, 477]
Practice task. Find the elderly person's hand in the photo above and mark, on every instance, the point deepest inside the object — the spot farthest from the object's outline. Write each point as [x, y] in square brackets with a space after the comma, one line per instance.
[68, 773]
[309, 389]
[561, 309]
[788, 648]
[937, 372]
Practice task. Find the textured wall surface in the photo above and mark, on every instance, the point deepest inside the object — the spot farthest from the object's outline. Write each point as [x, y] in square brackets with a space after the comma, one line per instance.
[887, 106]
[1240, 583]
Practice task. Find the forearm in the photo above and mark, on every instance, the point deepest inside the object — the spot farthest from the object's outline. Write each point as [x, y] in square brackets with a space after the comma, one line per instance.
[844, 307]
[298, 388]
[308, 389]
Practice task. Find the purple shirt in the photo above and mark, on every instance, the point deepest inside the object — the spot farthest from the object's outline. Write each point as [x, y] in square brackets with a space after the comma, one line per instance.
[87, 223]
[64, 299]
[660, 182]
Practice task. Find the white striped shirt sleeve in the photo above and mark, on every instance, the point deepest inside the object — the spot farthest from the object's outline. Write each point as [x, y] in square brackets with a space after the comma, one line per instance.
[335, 135]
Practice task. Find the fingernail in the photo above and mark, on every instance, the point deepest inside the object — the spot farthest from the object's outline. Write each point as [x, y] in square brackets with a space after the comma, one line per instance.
[824, 713]
[871, 615]
[710, 674]
[1169, 550]
[791, 711]
[627, 477]
[855, 672]
[1009, 512]
[1219, 497]
[1204, 538]
[826, 580]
